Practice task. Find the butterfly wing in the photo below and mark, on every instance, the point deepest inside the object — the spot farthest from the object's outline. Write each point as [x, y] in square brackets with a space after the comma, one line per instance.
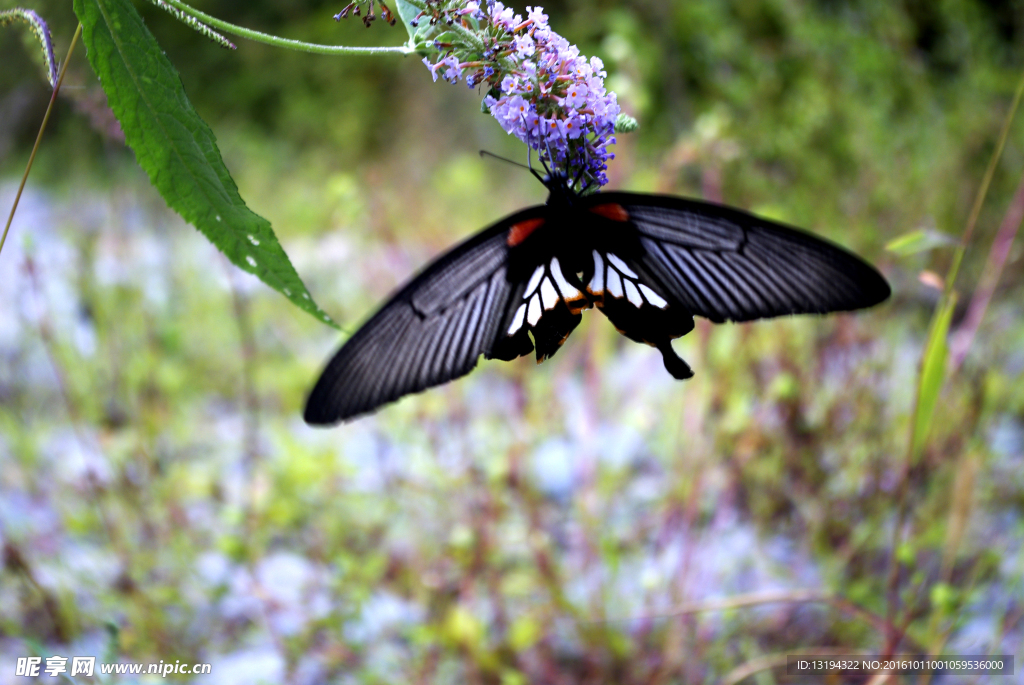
[727, 265]
[657, 261]
[435, 328]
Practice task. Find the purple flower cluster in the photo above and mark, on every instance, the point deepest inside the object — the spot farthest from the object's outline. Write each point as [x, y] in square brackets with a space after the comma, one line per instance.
[539, 86]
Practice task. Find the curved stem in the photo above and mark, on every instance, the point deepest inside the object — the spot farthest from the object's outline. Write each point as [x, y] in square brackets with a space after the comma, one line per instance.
[979, 199]
[946, 301]
[39, 136]
[276, 41]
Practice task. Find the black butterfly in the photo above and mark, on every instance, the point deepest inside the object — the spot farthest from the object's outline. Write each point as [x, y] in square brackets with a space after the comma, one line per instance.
[649, 262]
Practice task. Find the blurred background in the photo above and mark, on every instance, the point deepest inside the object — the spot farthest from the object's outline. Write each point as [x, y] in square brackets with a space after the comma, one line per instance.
[588, 520]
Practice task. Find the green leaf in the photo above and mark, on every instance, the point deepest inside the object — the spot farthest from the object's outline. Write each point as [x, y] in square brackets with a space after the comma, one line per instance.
[453, 37]
[933, 374]
[920, 240]
[177, 149]
[422, 37]
[406, 14]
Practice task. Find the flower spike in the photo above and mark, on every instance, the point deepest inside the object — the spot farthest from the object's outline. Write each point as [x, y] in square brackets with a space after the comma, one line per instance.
[538, 86]
[42, 32]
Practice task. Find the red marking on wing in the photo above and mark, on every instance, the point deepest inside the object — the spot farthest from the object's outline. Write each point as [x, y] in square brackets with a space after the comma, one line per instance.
[521, 231]
[611, 211]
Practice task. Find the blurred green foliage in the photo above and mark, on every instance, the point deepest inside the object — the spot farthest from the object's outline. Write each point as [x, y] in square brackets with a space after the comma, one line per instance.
[557, 523]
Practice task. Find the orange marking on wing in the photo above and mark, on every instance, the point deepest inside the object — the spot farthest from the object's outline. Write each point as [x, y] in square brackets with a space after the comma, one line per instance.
[521, 231]
[611, 211]
[578, 304]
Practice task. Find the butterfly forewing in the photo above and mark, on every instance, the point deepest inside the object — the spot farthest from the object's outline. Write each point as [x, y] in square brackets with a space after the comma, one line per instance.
[432, 331]
[725, 264]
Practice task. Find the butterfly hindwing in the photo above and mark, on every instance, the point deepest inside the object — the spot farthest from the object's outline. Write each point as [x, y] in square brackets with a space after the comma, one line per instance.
[634, 301]
[433, 330]
[550, 305]
[727, 265]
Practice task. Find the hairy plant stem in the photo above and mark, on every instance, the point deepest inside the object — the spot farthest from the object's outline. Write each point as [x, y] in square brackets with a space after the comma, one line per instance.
[276, 41]
[39, 136]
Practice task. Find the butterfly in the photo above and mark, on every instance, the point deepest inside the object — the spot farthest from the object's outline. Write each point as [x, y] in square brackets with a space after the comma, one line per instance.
[650, 263]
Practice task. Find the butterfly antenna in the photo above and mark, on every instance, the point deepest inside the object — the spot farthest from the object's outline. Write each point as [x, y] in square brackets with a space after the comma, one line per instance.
[485, 153]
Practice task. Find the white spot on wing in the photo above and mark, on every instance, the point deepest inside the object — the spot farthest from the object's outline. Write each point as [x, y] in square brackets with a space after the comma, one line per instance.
[534, 282]
[567, 290]
[597, 282]
[632, 294]
[252, 262]
[548, 293]
[653, 297]
[517, 320]
[621, 266]
[534, 311]
[614, 283]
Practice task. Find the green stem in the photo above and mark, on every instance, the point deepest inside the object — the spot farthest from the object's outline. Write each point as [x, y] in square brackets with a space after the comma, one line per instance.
[285, 42]
[979, 200]
[948, 294]
[39, 136]
[947, 300]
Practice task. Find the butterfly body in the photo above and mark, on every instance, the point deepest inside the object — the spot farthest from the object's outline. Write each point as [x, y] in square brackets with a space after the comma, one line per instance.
[648, 262]
[577, 257]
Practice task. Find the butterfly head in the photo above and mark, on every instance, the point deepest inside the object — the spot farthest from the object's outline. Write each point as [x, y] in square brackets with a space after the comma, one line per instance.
[561, 188]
